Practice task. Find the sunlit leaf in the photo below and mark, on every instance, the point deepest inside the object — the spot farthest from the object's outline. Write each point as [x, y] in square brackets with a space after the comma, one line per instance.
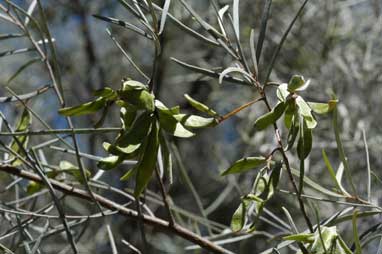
[110, 162]
[297, 83]
[106, 93]
[282, 92]
[239, 217]
[170, 124]
[195, 122]
[200, 106]
[306, 112]
[245, 164]
[323, 108]
[271, 117]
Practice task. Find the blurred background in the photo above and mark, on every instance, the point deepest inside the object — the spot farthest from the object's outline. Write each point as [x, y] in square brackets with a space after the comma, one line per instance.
[335, 43]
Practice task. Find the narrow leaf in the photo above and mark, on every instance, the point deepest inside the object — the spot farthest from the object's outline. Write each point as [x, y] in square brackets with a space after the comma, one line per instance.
[200, 106]
[244, 165]
[147, 162]
[166, 7]
[83, 109]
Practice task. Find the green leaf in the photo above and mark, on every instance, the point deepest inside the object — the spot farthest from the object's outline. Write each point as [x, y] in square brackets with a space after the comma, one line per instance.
[138, 97]
[147, 162]
[133, 85]
[34, 187]
[245, 164]
[166, 156]
[282, 92]
[274, 179]
[127, 116]
[302, 237]
[323, 108]
[297, 83]
[239, 217]
[110, 162]
[67, 167]
[306, 112]
[293, 132]
[106, 93]
[132, 139]
[200, 106]
[330, 169]
[170, 124]
[195, 122]
[83, 109]
[129, 174]
[22, 125]
[357, 243]
[290, 113]
[271, 117]
[304, 145]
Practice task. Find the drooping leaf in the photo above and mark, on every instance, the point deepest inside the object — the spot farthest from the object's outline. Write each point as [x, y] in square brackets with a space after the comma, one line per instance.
[323, 108]
[274, 179]
[147, 161]
[271, 117]
[293, 132]
[306, 112]
[290, 113]
[127, 116]
[245, 164]
[83, 109]
[23, 124]
[130, 140]
[166, 156]
[200, 106]
[304, 145]
[239, 217]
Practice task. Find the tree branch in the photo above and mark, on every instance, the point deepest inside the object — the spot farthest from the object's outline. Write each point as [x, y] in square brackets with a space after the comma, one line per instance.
[107, 203]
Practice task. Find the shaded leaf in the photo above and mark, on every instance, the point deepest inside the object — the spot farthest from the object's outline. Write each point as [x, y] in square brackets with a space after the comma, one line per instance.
[147, 162]
[304, 145]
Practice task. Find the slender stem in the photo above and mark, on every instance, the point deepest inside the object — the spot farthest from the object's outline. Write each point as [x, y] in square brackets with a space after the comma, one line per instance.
[237, 110]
